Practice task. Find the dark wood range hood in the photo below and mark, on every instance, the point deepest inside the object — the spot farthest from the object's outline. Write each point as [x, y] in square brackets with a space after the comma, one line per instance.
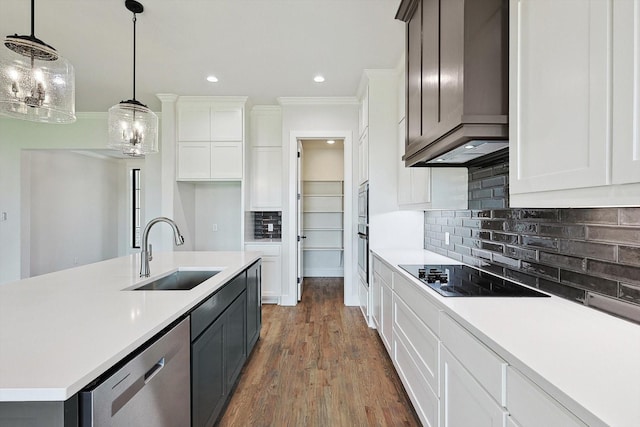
[457, 81]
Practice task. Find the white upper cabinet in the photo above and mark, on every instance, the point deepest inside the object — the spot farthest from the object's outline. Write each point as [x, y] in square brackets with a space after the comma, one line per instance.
[265, 170]
[626, 92]
[210, 138]
[364, 111]
[574, 103]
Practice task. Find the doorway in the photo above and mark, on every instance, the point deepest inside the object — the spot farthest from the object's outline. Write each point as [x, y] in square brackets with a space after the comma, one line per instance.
[320, 210]
[290, 291]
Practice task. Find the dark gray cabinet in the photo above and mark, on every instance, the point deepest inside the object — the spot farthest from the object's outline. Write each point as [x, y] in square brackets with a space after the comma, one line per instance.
[224, 329]
[457, 74]
[254, 306]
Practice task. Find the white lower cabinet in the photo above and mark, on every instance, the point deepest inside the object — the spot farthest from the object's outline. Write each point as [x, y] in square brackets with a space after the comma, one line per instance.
[271, 271]
[363, 293]
[463, 401]
[424, 400]
[376, 299]
[451, 376]
[386, 315]
[532, 407]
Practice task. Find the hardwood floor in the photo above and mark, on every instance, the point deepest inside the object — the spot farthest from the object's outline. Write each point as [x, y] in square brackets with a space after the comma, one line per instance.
[318, 364]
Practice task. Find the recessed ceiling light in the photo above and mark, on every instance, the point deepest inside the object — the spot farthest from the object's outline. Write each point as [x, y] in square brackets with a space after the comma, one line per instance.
[468, 147]
[440, 160]
[318, 79]
[212, 79]
[331, 141]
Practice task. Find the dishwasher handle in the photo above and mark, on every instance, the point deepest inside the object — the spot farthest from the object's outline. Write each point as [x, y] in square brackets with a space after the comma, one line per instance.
[154, 370]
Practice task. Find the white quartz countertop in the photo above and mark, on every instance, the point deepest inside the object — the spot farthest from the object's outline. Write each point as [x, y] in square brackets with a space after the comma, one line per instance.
[60, 331]
[587, 360]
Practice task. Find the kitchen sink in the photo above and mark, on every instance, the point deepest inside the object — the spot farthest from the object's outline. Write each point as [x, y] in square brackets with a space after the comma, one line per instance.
[181, 280]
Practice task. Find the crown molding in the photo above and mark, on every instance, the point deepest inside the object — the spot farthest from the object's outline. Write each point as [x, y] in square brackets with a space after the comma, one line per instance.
[330, 100]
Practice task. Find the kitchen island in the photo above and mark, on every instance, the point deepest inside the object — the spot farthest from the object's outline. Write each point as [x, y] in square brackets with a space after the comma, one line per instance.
[529, 361]
[61, 331]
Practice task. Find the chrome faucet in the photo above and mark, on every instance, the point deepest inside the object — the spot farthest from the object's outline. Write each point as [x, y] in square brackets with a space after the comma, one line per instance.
[145, 254]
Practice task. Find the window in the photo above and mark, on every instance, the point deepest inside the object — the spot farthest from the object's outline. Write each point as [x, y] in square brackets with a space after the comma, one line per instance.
[136, 205]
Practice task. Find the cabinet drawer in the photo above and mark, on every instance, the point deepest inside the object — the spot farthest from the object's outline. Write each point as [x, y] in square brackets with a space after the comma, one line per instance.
[417, 301]
[265, 250]
[424, 400]
[420, 342]
[485, 366]
[530, 406]
[213, 307]
[383, 270]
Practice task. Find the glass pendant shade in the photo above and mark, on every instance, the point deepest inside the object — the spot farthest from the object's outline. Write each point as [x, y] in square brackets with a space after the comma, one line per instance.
[133, 129]
[36, 83]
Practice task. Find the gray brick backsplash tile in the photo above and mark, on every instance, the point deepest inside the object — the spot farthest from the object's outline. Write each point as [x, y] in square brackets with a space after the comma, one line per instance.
[479, 234]
[630, 216]
[630, 293]
[521, 227]
[568, 292]
[521, 277]
[567, 252]
[563, 261]
[590, 216]
[490, 224]
[620, 272]
[566, 231]
[539, 242]
[492, 204]
[539, 214]
[587, 249]
[507, 261]
[590, 283]
[614, 234]
[496, 181]
[520, 253]
[629, 255]
[540, 270]
[505, 238]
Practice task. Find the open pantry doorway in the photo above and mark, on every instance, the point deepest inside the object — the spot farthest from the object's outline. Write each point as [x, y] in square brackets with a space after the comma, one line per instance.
[322, 196]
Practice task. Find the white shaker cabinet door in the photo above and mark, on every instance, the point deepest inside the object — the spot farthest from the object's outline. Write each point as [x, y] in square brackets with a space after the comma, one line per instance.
[226, 160]
[463, 402]
[626, 92]
[226, 124]
[532, 407]
[194, 122]
[560, 91]
[266, 178]
[194, 160]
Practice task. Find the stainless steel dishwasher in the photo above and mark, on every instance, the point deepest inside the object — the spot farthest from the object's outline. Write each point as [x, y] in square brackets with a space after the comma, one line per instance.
[152, 389]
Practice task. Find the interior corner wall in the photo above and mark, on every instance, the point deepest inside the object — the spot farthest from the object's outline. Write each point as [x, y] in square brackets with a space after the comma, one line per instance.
[88, 132]
[316, 118]
[74, 201]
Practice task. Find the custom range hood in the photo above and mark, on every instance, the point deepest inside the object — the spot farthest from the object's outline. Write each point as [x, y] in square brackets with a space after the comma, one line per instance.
[457, 88]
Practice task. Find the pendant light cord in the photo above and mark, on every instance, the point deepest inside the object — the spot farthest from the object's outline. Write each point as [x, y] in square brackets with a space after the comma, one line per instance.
[134, 56]
[33, 21]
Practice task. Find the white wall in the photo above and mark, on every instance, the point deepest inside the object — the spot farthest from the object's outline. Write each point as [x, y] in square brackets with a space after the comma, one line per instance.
[308, 118]
[218, 203]
[89, 132]
[75, 201]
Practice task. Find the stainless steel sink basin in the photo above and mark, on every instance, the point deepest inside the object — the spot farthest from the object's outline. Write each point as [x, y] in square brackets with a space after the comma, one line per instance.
[181, 280]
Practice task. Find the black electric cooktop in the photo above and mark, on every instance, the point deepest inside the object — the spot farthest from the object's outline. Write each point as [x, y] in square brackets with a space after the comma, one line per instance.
[466, 281]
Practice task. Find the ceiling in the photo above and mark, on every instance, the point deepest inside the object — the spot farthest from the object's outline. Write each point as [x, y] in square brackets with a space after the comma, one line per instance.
[262, 49]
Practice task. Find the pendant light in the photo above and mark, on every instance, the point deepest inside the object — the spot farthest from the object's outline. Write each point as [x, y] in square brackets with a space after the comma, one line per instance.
[133, 127]
[36, 83]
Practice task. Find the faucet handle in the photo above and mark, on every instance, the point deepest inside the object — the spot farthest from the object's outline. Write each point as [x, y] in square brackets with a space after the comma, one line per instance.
[150, 253]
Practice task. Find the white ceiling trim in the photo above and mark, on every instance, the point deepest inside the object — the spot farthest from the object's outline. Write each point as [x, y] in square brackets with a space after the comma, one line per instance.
[331, 100]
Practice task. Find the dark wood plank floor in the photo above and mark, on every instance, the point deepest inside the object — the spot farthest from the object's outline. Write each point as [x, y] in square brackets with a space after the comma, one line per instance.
[318, 364]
